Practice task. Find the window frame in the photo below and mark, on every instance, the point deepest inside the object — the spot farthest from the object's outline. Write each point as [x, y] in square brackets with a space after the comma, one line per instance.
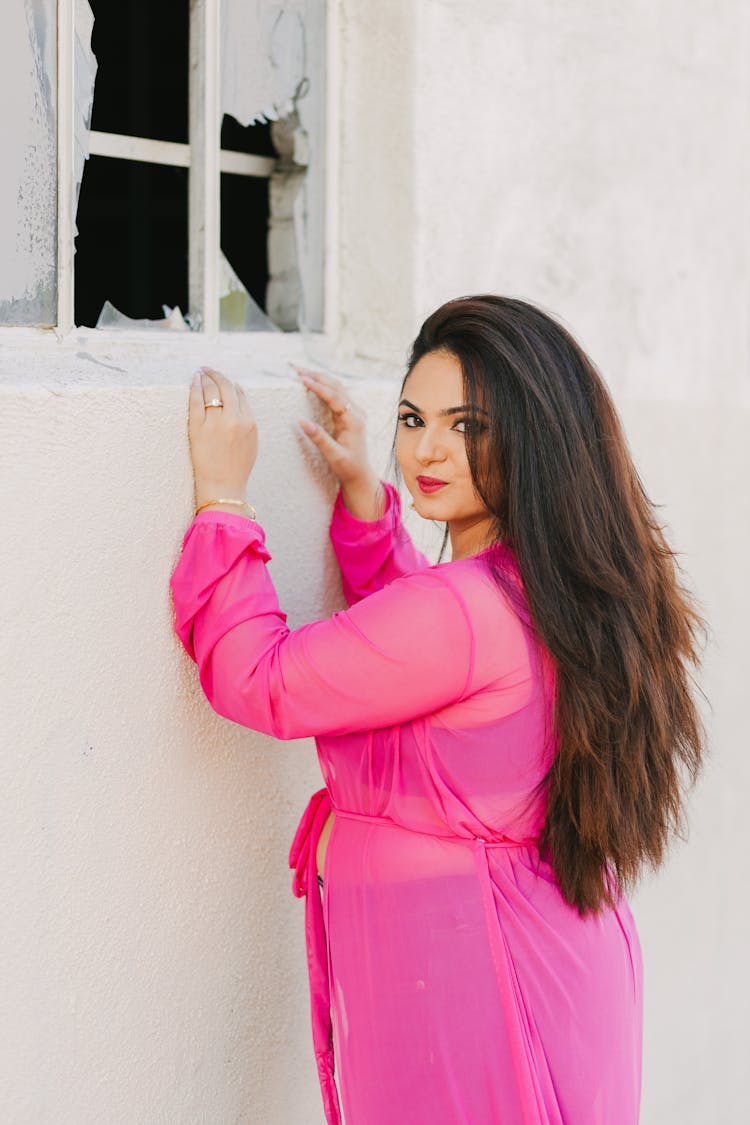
[206, 160]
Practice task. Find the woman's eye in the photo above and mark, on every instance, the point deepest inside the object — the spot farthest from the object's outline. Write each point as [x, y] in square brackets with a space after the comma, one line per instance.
[474, 426]
[404, 420]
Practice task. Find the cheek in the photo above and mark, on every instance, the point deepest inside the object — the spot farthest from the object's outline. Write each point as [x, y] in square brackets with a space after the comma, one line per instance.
[462, 457]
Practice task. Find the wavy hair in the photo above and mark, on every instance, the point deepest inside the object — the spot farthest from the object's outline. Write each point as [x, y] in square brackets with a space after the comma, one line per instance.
[601, 589]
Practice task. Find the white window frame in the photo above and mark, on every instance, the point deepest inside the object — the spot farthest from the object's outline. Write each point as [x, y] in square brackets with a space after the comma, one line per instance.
[205, 160]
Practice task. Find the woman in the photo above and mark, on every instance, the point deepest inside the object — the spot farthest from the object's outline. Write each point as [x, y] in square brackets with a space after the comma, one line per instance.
[501, 736]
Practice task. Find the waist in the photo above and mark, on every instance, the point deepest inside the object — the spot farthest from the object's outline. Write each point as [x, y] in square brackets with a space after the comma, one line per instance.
[501, 841]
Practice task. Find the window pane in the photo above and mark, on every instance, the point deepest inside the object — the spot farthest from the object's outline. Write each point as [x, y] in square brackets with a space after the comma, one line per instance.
[132, 239]
[273, 69]
[142, 83]
[131, 247]
[263, 56]
[28, 222]
[244, 229]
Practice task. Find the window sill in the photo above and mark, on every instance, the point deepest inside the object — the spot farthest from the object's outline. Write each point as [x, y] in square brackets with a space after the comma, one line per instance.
[117, 357]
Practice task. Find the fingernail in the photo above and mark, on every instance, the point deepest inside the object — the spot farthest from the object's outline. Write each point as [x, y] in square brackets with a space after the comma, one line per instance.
[308, 426]
[196, 378]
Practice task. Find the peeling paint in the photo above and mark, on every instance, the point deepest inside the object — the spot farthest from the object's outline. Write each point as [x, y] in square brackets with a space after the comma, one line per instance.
[28, 188]
[28, 227]
[99, 362]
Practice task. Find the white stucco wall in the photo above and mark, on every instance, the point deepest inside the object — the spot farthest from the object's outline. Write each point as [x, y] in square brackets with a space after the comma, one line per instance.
[588, 158]
[154, 949]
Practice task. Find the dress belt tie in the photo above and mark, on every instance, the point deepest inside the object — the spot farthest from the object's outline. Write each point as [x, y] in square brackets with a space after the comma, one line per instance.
[505, 842]
[305, 882]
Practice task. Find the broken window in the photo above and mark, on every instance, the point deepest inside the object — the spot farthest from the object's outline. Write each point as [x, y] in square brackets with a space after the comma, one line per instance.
[202, 193]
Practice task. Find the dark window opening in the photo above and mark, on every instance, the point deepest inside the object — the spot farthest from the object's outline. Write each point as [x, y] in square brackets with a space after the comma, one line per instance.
[245, 208]
[132, 218]
[132, 244]
[142, 80]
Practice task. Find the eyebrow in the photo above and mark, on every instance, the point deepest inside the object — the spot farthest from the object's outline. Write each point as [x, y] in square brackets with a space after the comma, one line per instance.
[449, 410]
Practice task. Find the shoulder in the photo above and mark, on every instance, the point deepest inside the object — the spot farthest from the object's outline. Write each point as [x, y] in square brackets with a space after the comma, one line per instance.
[423, 595]
[461, 589]
[468, 582]
[473, 580]
[498, 617]
[456, 608]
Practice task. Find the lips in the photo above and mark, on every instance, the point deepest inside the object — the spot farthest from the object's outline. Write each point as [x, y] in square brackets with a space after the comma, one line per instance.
[430, 484]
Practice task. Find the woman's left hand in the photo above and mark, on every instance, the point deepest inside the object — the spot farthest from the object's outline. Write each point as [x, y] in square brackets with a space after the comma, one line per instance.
[223, 440]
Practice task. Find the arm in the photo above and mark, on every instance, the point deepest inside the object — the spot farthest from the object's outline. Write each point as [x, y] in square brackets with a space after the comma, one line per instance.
[371, 553]
[405, 651]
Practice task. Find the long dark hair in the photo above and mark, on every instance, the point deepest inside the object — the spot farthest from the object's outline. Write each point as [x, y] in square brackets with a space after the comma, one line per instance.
[601, 590]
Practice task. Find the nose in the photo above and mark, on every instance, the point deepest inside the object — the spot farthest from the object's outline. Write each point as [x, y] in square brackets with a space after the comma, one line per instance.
[428, 447]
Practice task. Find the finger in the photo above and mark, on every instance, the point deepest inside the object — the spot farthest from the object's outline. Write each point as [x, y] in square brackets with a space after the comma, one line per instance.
[196, 401]
[224, 388]
[318, 376]
[242, 400]
[210, 387]
[319, 436]
[333, 398]
[302, 370]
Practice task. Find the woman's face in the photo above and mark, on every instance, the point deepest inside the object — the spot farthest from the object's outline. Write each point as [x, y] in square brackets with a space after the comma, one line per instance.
[431, 443]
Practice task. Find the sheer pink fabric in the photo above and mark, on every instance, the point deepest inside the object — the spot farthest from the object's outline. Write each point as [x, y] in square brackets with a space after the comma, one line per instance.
[450, 982]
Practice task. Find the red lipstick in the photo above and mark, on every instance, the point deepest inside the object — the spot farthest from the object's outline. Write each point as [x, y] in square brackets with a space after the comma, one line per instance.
[430, 484]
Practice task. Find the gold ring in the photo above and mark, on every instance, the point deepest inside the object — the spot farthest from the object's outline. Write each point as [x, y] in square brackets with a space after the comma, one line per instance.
[214, 402]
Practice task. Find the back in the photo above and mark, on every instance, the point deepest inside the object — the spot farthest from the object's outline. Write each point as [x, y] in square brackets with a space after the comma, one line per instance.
[470, 767]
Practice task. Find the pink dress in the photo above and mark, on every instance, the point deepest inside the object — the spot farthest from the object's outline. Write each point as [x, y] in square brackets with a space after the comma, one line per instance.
[450, 982]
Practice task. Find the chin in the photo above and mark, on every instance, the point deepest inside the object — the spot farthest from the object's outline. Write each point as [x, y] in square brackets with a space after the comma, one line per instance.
[428, 506]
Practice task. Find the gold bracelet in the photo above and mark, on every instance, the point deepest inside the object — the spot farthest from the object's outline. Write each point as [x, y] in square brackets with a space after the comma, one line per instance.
[242, 503]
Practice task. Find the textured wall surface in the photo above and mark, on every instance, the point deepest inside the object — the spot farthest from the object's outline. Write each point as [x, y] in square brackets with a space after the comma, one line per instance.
[694, 927]
[591, 160]
[608, 144]
[154, 950]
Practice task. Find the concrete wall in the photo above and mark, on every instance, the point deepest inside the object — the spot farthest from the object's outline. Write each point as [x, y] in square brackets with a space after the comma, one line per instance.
[591, 158]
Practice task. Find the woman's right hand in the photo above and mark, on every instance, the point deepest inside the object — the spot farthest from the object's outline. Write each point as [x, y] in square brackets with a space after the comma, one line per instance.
[345, 449]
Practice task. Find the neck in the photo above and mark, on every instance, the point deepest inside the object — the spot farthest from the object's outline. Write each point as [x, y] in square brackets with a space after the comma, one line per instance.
[469, 537]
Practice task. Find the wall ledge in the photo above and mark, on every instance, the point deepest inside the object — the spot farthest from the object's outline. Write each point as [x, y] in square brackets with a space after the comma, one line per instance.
[109, 358]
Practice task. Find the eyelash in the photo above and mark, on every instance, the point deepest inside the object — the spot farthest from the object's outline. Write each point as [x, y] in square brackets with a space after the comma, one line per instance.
[468, 422]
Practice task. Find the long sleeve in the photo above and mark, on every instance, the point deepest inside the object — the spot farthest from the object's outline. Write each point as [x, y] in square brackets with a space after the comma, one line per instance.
[371, 553]
[405, 651]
